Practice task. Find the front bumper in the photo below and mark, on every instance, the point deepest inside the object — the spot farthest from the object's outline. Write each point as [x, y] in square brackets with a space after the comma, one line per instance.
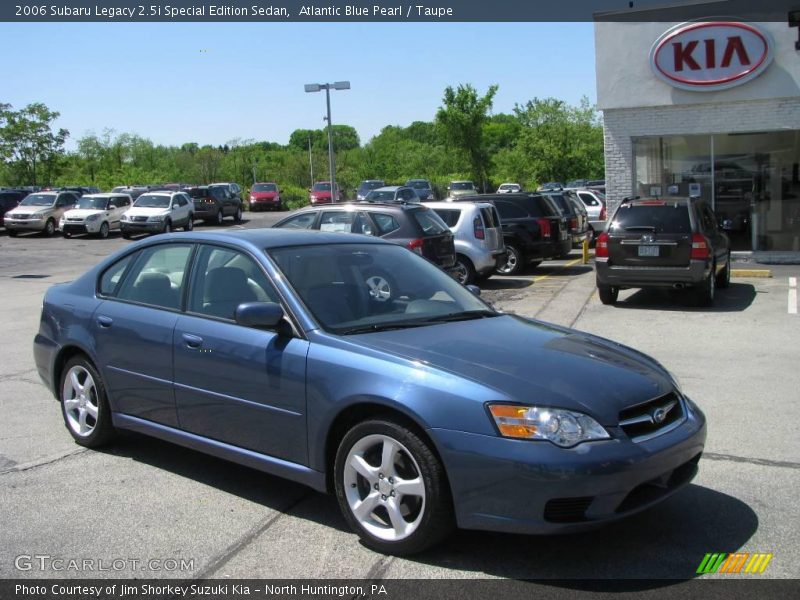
[25, 224]
[259, 203]
[144, 227]
[651, 277]
[519, 486]
[74, 228]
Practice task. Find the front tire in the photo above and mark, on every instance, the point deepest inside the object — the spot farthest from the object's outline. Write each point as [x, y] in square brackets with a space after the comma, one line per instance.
[392, 488]
[50, 228]
[514, 262]
[189, 224]
[608, 294]
[13, 232]
[84, 404]
[167, 228]
[103, 231]
[220, 217]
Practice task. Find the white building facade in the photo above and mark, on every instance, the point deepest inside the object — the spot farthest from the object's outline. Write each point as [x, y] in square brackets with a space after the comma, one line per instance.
[709, 109]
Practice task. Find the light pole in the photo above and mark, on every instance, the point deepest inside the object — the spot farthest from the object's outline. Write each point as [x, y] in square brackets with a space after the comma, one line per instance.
[315, 87]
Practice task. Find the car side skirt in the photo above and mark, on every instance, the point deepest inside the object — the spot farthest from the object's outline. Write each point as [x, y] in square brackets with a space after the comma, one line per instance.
[248, 458]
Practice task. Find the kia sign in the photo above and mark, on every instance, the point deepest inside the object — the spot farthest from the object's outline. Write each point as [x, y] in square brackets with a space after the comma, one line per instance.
[707, 57]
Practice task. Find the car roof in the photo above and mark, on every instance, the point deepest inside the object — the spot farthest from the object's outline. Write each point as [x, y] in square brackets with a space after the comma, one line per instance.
[459, 205]
[388, 188]
[269, 237]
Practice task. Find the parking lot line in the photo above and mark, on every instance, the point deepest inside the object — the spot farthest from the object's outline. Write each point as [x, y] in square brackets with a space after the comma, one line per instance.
[569, 264]
[792, 304]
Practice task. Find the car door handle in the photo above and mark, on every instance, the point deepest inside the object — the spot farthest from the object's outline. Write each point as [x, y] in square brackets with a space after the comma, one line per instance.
[105, 322]
[192, 341]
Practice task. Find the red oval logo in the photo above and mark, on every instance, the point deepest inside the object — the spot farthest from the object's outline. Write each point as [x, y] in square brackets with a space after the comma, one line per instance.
[710, 56]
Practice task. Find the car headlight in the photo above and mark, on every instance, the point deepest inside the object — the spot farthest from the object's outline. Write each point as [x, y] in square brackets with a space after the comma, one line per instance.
[252, 198]
[124, 218]
[91, 218]
[36, 217]
[157, 218]
[564, 428]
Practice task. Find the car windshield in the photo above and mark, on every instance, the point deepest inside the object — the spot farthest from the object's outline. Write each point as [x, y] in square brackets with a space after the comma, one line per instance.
[462, 185]
[152, 201]
[265, 187]
[419, 185]
[663, 217]
[38, 200]
[380, 196]
[89, 203]
[322, 187]
[365, 288]
[370, 185]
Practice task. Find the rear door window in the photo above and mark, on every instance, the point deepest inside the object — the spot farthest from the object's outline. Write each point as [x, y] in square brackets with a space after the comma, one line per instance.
[386, 223]
[490, 218]
[339, 221]
[449, 216]
[430, 222]
[659, 218]
[508, 210]
[588, 199]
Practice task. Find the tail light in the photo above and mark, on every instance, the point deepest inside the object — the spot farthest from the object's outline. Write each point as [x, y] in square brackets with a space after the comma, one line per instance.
[601, 246]
[544, 227]
[573, 223]
[416, 245]
[477, 226]
[700, 249]
[603, 215]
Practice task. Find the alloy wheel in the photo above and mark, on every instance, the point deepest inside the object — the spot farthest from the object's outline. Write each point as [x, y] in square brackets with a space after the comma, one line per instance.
[380, 290]
[80, 398]
[384, 487]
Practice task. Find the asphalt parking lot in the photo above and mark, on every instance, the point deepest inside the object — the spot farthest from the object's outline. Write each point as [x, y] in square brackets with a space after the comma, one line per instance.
[144, 500]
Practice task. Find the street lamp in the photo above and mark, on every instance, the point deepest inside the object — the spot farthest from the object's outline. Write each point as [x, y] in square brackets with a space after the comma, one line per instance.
[315, 87]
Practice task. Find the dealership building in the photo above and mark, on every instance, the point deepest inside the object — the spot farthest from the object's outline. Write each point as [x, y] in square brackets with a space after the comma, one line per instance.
[707, 108]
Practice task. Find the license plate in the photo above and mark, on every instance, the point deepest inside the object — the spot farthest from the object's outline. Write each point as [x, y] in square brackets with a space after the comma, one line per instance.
[648, 250]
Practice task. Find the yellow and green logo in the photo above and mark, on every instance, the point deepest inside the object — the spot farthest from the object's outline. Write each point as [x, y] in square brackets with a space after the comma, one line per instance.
[736, 562]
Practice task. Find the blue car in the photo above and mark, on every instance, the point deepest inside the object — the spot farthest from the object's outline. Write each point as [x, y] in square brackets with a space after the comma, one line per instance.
[355, 366]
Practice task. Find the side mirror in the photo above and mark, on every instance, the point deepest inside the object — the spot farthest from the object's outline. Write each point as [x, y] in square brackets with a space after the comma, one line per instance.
[474, 289]
[260, 315]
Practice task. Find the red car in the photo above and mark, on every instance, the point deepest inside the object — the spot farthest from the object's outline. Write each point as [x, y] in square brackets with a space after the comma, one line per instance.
[320, 193]
[265, 196]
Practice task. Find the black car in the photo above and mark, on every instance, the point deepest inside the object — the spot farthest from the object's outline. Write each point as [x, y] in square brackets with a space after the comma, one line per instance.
[213, 203]
[366, 186]
[423, 188]
[670, 243]
[533, 228]
[414, 226]
[8, 200]
[578, 222]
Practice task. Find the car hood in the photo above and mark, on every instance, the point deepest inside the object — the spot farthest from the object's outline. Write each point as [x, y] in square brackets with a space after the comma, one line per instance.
[143, 211]
[82, 212]
[454, 193]
[533, 362]
[28, 210]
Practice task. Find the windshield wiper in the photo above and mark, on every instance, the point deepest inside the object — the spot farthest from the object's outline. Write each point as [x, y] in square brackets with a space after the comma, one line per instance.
[466, 315]
[381, 327]
[640, 228]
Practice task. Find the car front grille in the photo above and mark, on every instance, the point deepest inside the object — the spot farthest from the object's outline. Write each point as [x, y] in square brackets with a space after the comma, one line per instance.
[652, 418]
[138, 219]
[19, 216]
[75, 219]
[567, 510]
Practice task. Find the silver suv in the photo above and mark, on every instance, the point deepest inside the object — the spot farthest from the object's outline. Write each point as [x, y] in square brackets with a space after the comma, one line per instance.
[41, 211]
[478, 238]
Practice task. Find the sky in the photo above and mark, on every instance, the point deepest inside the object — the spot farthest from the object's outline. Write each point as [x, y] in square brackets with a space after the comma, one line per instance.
[211, 83]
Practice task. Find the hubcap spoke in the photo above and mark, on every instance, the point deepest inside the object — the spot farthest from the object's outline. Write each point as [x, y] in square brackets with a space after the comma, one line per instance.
[410, 487]
[91, 409]
[71, 404]
[82, 420]
[399, 524]
[364, 469]
[76, 384]
[388, 457]
[364, 509]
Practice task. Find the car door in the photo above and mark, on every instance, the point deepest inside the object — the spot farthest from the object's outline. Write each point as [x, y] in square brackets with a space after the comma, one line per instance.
[180, 209]
[719, 241]
[236, 384]
[118, 207]
[133, 330]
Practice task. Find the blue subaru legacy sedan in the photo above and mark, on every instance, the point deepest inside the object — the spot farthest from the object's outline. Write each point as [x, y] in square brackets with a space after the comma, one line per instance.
[355, 366]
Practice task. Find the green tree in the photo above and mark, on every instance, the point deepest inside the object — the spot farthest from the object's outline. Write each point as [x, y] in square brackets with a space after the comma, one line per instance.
[28, 142]
[462, 119]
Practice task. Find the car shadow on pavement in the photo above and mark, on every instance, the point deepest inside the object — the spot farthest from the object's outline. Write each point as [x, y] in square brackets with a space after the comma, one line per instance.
[272, 492]
[667, 542]
[560, 270]
[736, 298]
[504, 283]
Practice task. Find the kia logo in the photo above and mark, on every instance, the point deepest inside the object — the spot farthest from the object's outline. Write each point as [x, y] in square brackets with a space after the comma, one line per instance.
[710, 56]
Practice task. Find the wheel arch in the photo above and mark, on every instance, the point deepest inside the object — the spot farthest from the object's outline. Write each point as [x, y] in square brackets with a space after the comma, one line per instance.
[364, 411]
[64, 355]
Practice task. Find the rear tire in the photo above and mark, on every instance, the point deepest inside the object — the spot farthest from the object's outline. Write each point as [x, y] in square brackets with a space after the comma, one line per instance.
[84, 404]
[463, 270]
[724, 276]
[608, 294]
[514, 262]
[220, 217]
[237, 218]
[705, 294]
